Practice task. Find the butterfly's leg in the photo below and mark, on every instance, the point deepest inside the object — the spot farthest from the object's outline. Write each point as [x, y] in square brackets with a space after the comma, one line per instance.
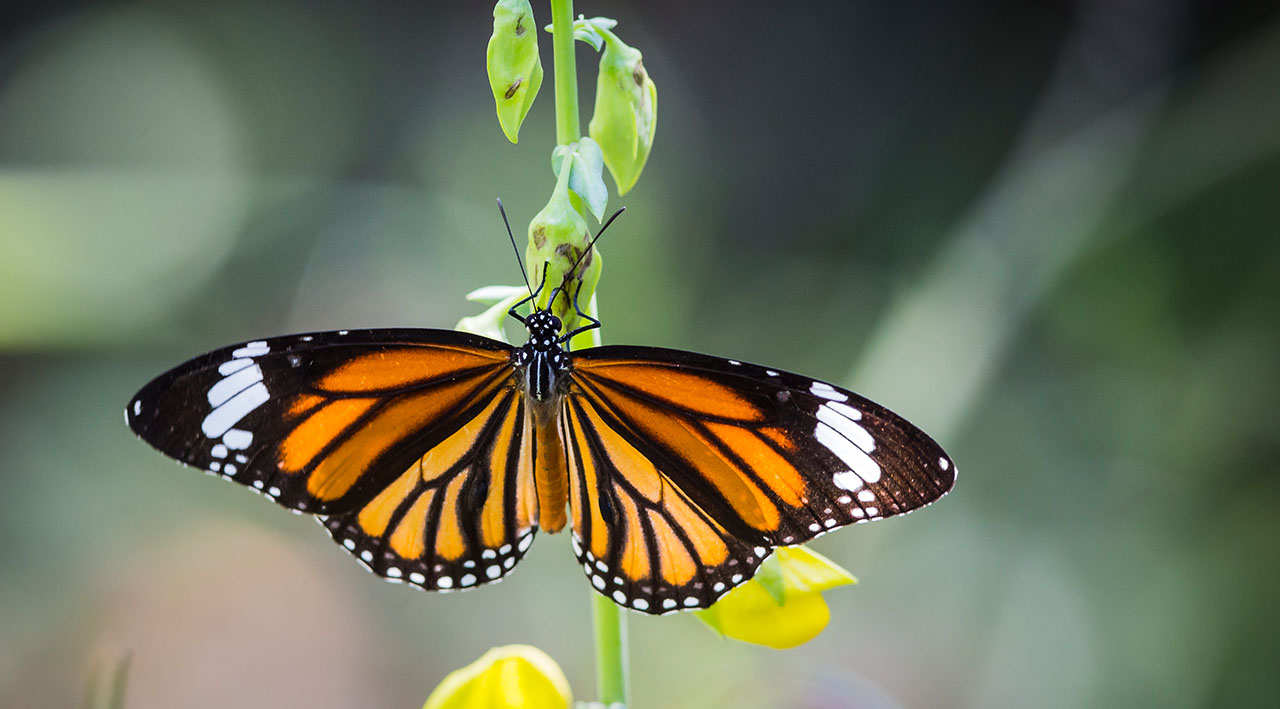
[592, 322]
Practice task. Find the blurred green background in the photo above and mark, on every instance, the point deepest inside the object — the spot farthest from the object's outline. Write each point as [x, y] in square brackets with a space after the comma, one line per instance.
[1047, 234]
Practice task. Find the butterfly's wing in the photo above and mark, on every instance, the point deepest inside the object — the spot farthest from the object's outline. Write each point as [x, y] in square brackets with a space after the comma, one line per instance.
[410, 445]
[686, 470]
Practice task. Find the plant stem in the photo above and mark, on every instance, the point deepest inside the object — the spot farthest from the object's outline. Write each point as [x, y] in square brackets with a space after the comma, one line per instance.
[610, 622]
[565, 68]
[611, 650]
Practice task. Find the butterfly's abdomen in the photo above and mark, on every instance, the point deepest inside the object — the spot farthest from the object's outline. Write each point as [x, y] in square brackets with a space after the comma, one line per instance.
[550, 473]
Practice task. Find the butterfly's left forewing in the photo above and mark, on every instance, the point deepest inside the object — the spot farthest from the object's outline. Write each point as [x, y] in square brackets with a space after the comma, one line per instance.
[761, 458]
[410, 444]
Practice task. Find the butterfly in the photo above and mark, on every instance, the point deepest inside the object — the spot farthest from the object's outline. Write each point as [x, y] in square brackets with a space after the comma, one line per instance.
[434, 456]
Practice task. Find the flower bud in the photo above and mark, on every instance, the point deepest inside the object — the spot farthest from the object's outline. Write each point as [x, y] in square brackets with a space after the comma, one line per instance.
[508, 677]
[782, 605]
[515, 69]
[626, 111]
[558, 237]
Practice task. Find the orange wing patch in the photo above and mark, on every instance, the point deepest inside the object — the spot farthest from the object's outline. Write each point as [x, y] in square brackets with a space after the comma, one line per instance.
[340, 440]
[319, 429]
[400, 368]
[666, 383]
[640, 537]
[700, 454]
[461, 515]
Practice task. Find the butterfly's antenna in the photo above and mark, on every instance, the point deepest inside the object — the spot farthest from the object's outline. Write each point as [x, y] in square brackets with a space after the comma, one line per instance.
[503, 212]
[600, 233]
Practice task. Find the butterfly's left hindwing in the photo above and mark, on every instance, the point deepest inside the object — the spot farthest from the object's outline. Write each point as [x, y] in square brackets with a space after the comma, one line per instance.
[410, 443]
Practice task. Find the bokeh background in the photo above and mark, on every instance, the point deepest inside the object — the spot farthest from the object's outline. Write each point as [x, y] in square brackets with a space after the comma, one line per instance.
[1048, 234]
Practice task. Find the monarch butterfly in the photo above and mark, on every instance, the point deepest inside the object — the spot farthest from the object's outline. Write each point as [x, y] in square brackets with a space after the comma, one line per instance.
[433, 456]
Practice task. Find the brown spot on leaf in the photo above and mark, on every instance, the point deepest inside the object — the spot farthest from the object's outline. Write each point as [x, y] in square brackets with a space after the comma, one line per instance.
[515, 86]
[638, 75]
[539, 236]
[520, 25]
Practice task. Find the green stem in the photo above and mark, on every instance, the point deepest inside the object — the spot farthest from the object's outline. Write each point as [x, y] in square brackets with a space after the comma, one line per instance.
[610, 622]
[568, 129]
[611, 650]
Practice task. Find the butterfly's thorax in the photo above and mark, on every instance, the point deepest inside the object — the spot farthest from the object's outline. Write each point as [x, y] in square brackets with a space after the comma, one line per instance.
[542, 362]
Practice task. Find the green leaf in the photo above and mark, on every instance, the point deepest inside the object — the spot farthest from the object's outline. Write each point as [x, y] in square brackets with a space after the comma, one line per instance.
[586, 173]
[491, 295]
[588, 30]
[514, 66]
[489, 323]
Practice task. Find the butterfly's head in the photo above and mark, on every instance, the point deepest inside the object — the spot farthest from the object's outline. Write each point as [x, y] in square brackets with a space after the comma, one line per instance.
[544, 329]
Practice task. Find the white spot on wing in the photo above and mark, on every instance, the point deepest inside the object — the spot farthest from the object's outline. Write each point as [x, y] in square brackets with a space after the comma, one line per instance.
[827, 391]
[845, 410]
[640, 604]
[853, 431]
[866, 496]
[252, 349]
[233, 384]
[218, 451]
[221, 419]
[942, 462]
[137, 409]
[467, 580]
[444, 582]
[853, 456]
[232, 366]
[237, 440]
